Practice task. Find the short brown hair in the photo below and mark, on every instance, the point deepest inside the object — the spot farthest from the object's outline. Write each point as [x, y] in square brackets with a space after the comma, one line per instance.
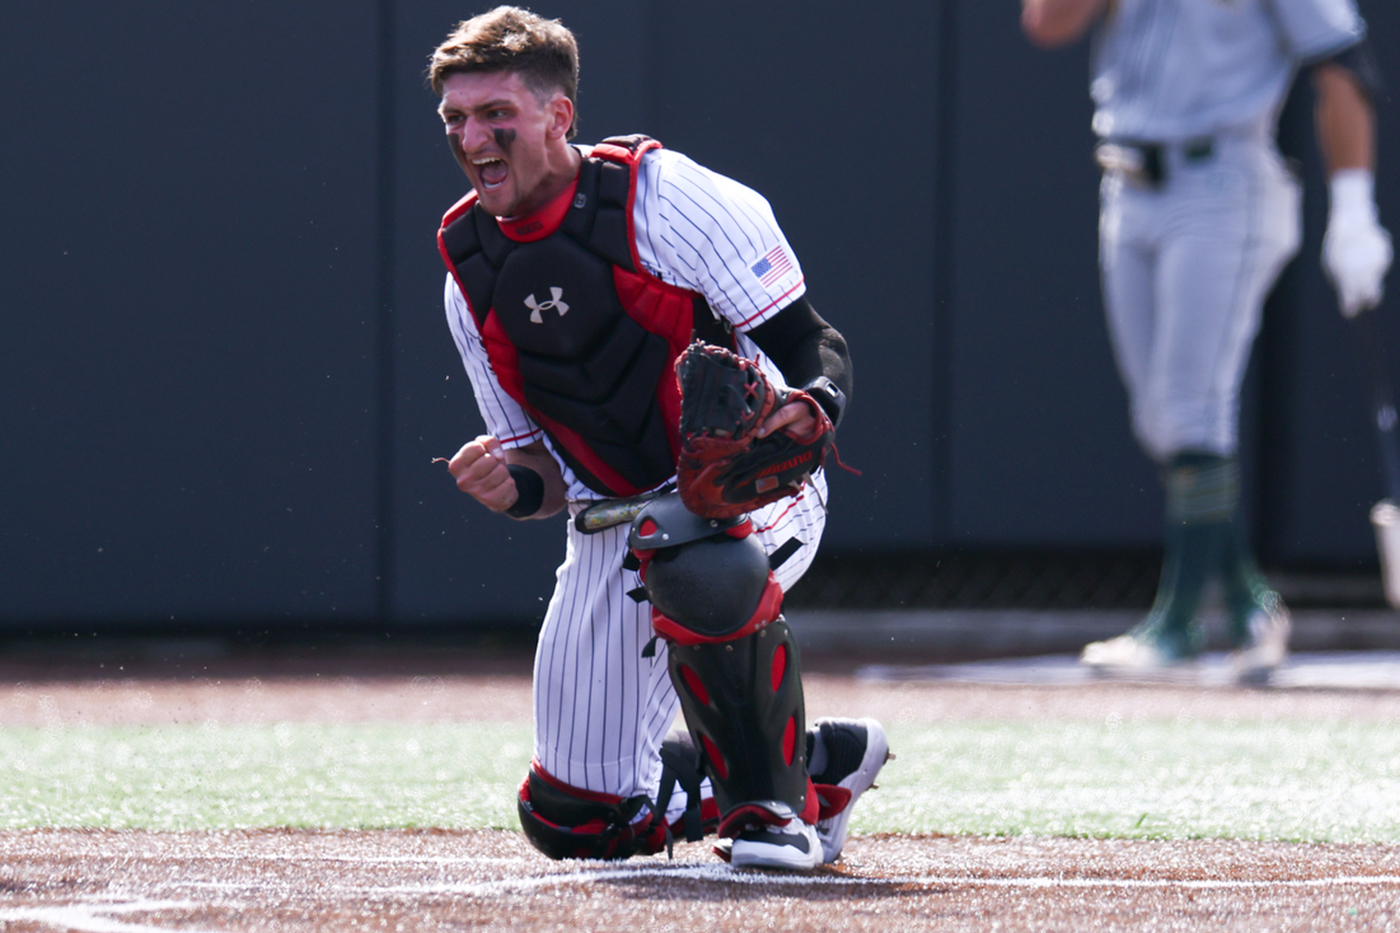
[542, 51]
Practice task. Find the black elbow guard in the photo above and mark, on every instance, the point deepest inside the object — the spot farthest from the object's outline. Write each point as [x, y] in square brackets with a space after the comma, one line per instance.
[529, 488]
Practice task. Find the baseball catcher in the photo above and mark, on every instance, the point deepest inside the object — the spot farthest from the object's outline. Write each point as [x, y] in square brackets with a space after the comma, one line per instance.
[574, 289]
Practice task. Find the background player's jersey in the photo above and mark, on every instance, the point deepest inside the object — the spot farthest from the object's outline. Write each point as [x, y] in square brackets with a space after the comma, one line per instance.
[1168, 70]
[695, 229]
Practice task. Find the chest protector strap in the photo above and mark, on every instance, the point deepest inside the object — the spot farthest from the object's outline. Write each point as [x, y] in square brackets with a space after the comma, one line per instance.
[576, 330]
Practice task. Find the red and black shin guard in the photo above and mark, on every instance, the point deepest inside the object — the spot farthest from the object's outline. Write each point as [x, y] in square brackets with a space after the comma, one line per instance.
[742, 702]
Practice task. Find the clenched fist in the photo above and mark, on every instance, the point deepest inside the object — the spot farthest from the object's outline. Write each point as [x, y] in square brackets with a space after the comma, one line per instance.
[480, 471]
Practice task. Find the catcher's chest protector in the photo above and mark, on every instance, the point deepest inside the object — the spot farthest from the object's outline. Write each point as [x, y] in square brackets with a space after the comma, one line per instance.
[576, 331]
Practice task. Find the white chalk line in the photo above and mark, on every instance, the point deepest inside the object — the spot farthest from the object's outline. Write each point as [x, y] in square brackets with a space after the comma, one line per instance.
[722, 874]
[89, 917]
[729, 876]
[92, 917]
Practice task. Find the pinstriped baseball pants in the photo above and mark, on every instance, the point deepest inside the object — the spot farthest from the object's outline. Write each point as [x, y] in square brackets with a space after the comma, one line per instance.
[601, 710]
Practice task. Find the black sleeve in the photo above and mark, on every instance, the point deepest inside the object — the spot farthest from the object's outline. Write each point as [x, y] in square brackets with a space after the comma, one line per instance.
[809, 351]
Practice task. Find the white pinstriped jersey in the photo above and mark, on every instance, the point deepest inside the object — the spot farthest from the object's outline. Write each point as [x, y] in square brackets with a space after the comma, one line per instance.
[1168, 70]
[695, 229]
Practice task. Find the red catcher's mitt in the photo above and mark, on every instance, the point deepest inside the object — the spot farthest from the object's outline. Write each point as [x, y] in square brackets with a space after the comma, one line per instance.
[725, 468]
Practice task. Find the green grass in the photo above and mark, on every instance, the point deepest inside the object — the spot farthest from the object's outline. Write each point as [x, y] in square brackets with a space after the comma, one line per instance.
[1283, 780]
[290, 774]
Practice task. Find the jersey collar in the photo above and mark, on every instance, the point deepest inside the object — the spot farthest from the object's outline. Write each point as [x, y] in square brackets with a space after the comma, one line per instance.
[540, 223]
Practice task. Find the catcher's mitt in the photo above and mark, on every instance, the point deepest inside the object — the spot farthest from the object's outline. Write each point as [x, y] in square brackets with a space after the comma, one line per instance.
[725, 469]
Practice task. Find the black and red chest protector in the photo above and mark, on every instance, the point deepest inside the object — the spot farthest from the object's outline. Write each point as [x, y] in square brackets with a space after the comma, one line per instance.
[576, 330]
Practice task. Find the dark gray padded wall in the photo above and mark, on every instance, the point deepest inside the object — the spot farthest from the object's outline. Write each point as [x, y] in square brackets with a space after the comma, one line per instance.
[188, 338]
[831, 114]
[1039, 451]
[1319, 440]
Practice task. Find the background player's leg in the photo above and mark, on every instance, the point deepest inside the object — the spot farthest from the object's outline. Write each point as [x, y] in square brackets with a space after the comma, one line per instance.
[1258, 619]
[1220, 249]
[1127, 256]
[1264, 230]
[1202, 495]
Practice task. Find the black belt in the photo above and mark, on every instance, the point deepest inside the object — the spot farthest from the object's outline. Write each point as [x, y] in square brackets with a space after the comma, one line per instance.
[1145, 163]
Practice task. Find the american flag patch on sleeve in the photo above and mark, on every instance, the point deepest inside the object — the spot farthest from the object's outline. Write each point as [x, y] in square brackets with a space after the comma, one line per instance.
[772, 267]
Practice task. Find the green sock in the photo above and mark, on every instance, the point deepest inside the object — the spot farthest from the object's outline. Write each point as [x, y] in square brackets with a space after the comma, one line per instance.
[1202, 497]
[1245, 588]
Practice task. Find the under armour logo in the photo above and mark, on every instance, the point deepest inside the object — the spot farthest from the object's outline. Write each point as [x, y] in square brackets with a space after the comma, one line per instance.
[553, 302]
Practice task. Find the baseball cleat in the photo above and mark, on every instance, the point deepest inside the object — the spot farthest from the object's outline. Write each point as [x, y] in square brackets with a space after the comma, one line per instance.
[1265, 647]
[847, 753]
[775, 837]
[1149, 648]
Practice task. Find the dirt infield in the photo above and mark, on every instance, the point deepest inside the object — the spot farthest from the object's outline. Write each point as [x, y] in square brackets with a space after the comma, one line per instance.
[283, 881]
[484, 686]
[264, 880]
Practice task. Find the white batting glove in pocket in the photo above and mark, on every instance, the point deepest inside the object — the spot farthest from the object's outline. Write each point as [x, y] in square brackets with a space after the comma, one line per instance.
[1356, 250]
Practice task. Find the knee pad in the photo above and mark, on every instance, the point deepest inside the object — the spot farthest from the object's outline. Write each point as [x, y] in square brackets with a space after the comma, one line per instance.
[707, 579]
[569, 822]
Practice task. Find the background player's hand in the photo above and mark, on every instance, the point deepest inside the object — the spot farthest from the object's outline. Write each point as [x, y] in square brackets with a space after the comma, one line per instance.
[1356, 250]
[480, 471]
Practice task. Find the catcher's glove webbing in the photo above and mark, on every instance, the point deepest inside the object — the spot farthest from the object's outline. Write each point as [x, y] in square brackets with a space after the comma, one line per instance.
[725, 469]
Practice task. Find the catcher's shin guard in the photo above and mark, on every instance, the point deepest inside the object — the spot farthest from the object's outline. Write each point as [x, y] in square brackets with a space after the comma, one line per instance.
[742, 701]
[733, 659]
[568, 822]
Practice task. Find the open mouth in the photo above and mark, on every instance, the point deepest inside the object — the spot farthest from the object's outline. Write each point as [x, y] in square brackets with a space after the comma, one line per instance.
[492, 173]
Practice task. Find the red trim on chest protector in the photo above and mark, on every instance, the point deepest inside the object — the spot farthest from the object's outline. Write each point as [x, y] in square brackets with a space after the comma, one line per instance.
[540, 223]
[659, 307]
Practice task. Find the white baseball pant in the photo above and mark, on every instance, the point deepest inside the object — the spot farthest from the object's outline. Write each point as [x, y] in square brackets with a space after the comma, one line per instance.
[1186, 269]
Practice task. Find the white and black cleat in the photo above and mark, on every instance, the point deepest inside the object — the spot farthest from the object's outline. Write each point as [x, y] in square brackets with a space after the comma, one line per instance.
[847, 753]
[772, 836]
[1266, 649]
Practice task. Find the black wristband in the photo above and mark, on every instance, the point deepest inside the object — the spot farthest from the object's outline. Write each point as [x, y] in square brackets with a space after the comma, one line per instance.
[529, 487]
[829, 396]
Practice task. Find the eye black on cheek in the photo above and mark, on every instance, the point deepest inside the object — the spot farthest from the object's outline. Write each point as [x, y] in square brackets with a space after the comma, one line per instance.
[505, 138]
